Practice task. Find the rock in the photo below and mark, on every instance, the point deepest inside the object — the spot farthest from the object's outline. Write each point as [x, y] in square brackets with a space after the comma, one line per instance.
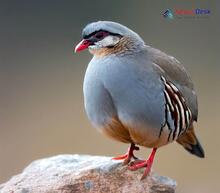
[84, 173]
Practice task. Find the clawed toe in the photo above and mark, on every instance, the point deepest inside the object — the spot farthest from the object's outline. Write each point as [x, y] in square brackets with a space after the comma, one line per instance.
[124, 157]
[137, 164]
[147, 164]
[121, 157]
[129, 155]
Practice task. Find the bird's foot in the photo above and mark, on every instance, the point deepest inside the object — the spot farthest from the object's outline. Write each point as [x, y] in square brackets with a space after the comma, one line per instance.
[135, 165]
[129, 155]
[147, 164]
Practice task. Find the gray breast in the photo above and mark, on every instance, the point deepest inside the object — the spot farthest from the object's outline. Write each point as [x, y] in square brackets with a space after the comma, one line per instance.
[126, 87]
[98, 102]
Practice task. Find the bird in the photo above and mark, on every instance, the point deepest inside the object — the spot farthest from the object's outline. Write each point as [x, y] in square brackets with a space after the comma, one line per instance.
[137, 94]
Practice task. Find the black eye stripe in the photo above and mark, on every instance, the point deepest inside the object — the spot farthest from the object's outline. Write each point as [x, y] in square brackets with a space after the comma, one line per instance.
[91, 34]
[95, 32]
[100, 34]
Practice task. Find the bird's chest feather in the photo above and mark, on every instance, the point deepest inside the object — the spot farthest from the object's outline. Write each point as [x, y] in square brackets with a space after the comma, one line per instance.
[136, 91]
[125, 90]
[98, 103]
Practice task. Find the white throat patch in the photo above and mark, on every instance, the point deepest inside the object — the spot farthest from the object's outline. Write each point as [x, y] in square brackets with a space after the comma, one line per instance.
[106, 42]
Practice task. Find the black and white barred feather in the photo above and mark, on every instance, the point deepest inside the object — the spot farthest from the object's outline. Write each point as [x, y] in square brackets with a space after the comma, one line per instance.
[178, 116]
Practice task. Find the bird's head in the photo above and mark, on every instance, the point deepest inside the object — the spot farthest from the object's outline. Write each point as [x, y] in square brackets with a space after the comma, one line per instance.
[106, 37]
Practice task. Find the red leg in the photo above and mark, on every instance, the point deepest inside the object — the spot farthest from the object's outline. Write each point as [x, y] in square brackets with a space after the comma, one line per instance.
[129, 155]
[144, 163]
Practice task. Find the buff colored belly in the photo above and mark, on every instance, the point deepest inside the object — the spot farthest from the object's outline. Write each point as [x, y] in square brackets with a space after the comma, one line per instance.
[116, 130]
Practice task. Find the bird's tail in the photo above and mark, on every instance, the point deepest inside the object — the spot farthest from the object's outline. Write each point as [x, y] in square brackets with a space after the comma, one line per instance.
[191, 143]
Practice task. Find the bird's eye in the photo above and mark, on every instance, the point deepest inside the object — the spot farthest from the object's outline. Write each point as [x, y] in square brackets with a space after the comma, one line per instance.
[100, 35]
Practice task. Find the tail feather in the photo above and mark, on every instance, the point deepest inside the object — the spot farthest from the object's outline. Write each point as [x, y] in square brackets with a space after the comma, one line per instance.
[191, 143]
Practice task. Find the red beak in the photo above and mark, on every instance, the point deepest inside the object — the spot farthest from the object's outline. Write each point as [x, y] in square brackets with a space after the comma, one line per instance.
[82, 45]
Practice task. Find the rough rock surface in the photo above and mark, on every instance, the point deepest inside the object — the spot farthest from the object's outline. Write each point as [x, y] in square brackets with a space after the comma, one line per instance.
[84, 173]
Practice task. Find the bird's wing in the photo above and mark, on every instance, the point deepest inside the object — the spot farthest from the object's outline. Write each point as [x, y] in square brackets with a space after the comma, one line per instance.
[173, 71]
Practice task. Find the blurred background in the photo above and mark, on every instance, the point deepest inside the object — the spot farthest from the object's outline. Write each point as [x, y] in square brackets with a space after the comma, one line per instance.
[41, 101]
